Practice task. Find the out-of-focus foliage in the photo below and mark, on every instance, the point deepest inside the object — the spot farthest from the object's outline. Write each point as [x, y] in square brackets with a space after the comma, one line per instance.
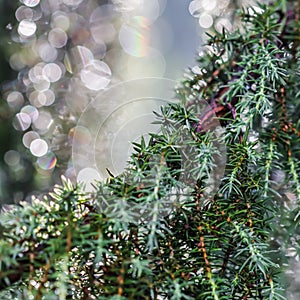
[63, 54]
[173, 225]
[14, 182]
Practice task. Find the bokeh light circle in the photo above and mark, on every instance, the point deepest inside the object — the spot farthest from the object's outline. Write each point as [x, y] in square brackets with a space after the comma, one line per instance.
[22, 121]
[60, 20]
[47, 161]
[43, 123]
[12, 158]
[103, 32]
[15, 99]
[195, 8]
[27, 28]
[38, 147]
[96, 75]
[209, 4]
[31, 111]
[206, 20]
[31, 3]
[47, 52]
[41, 84]
[57, 38]
[29, 137]
[52, 72]
[24, 12]
[134, 36]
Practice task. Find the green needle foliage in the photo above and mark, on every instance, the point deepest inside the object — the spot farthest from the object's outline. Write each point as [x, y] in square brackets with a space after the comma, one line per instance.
[207, 209]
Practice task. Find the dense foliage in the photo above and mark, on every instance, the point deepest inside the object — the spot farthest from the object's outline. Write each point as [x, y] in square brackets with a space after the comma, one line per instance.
[202, 211]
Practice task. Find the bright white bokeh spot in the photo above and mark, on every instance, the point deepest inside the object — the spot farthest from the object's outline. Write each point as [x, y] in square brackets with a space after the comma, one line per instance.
[195, 8]
[88, 176]
[38, 147]
[29, 137]
[209, 4]
[57, 38]
[96, 75]
[27, 28]
[52, 72]
[31, 3]
[22, 121]
[206, 20]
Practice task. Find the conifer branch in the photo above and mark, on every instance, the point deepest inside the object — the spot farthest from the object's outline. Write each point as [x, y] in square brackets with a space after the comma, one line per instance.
[169, 227]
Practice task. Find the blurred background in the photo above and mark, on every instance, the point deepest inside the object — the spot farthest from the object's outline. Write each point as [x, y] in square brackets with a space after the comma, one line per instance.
[57, 56]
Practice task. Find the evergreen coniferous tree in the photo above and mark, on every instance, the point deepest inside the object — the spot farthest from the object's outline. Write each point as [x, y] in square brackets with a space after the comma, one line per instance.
[182, 222]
